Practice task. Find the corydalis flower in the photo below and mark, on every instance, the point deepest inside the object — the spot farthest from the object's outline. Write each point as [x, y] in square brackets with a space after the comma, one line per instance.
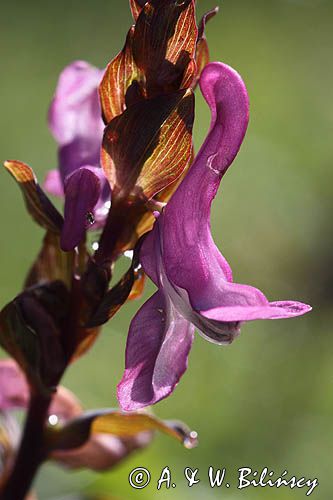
[195, 287]
[76, 123]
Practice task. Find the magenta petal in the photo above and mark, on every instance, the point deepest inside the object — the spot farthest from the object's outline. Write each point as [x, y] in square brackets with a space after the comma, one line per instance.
[148, 253]
[158, 345]
[75, 117]
[82, 191]
[273, 310]
[191, 258]
[75, 105]
[14, 392]
[53, 183]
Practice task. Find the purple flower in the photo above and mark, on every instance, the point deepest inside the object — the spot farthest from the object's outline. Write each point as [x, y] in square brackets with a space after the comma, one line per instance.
[76, 124]
[195, 287]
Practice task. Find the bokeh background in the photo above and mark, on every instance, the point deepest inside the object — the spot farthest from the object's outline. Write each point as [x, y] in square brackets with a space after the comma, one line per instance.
[267, 399]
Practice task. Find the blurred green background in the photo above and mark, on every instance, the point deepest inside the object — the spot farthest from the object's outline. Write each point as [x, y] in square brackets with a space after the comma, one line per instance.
[267, 399]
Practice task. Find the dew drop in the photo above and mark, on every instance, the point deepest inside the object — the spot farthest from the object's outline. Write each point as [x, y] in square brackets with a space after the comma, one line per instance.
[90, 218]
[53, 420]
[191, 441]
[95, 246]
[129, 254]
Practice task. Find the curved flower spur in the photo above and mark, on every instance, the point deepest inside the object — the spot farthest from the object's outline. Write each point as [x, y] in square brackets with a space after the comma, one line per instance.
[195, 287]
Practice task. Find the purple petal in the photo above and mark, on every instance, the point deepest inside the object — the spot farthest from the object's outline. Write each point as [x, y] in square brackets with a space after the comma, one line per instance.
[179, 254]
[81, 151]
[75, 102]
[273, 310]
[192, 261]
[158, 345]
[148, 254]
[75, 117]
[14, 392]
[53, 183]
[191, 258]
[82, 191]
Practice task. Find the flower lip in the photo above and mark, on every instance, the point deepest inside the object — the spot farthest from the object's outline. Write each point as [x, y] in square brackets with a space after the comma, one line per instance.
[273, 310]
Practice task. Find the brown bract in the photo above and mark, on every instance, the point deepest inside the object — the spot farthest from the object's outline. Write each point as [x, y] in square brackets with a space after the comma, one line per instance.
[164, 43]
[136, 7]
[145, 104]
[202, 50]
[148, 107]
[102, 438]
[118, 77]
[141, 164]
[38, 204]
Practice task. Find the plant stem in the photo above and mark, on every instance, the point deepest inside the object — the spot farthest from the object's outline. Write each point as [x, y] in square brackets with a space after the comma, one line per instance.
[31, 453]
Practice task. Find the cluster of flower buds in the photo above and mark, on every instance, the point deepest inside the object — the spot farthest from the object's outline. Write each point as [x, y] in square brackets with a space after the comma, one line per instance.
[125, 150]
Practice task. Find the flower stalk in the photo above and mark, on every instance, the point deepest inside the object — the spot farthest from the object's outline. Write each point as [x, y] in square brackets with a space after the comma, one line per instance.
[31, 453]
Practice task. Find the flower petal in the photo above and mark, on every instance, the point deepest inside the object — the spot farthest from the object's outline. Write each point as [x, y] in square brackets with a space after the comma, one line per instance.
[149, 250]
[273, 310]
[81, 151]
[53, 183]
[158, 345]
[75, 117]
[188, 245]
[196, 275]
[82, 191]
[14, 393]
[75, 104]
